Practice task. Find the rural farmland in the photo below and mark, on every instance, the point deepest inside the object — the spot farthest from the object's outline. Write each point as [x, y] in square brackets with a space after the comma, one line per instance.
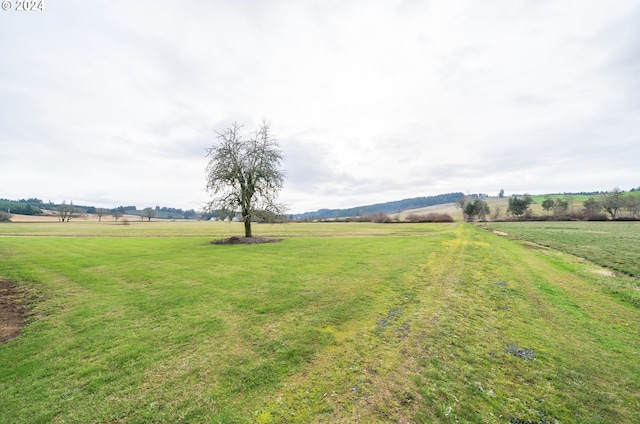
[337, 322]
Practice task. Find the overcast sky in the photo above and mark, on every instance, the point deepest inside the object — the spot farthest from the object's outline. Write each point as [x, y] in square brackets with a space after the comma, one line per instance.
[112, 103]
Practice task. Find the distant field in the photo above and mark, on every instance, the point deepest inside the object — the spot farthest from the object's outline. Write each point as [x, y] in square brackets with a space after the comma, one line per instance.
[448, 208]
[51, 217]
[339, 322]
[575, 200]
[500, 204]
[207, 229]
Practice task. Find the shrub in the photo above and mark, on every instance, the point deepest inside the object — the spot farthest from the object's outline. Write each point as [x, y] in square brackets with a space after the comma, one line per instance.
[414, 217]
[597, 217]
[440, 217]
[531, 217]
[576, 215]
[5, 217]
[380, 218]
[429, 217]
[567, 217]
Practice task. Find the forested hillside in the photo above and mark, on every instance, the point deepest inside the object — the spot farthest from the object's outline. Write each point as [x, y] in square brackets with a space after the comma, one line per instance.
[387, 207]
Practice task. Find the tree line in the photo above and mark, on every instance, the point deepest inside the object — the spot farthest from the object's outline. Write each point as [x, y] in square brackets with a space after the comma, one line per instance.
[65, 212]
[613, 205]
[18, 207]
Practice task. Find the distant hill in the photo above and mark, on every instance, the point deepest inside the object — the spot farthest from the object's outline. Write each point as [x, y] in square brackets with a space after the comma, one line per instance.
[387, 207]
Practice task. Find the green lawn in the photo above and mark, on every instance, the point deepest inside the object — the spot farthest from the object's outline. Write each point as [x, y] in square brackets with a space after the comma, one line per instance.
[148, 322]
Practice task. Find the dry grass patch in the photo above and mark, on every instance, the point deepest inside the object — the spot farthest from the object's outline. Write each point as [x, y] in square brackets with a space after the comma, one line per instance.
[604, 272]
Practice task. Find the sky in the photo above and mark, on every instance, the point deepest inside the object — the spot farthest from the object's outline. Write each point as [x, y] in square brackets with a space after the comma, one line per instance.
[110, 103]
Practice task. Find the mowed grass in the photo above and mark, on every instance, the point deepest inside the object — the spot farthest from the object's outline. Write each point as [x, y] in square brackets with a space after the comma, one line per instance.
[615, 245]
[336, 323]
[81, 228]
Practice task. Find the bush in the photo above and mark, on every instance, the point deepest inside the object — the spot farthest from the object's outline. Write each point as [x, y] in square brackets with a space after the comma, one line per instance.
[5, 217]
[597, 217]
[569, 216]
[440, 217]
[380, 218]
[429, 217]
[576, 215]
[531, 217]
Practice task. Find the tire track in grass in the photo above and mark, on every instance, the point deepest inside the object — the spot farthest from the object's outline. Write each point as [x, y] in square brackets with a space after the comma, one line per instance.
[345, 382]
[499, 299]
[483, 331]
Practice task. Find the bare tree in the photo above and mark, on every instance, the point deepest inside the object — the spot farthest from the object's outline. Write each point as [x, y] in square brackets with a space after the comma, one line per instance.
[66, 211]
[148, 213]
[612, 202]
[243, 173]
[560, 206]
[497, 212]
[632, 204]
[592, 206]
[461, 203]
[100, 212]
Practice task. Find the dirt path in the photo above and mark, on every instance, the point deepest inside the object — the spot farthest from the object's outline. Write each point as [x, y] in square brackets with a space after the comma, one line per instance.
[11, 314]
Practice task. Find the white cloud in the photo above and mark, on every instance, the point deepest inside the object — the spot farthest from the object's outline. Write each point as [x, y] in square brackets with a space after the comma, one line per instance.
[115, 102]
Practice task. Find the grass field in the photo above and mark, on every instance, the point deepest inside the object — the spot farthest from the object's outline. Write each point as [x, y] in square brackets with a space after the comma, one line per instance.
[615, 245]
[356, 322]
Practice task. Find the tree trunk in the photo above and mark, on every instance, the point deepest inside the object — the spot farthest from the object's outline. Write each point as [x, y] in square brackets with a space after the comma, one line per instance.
[247, 226]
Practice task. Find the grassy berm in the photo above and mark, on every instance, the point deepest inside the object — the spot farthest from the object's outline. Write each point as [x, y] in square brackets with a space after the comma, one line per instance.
[433, 323]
